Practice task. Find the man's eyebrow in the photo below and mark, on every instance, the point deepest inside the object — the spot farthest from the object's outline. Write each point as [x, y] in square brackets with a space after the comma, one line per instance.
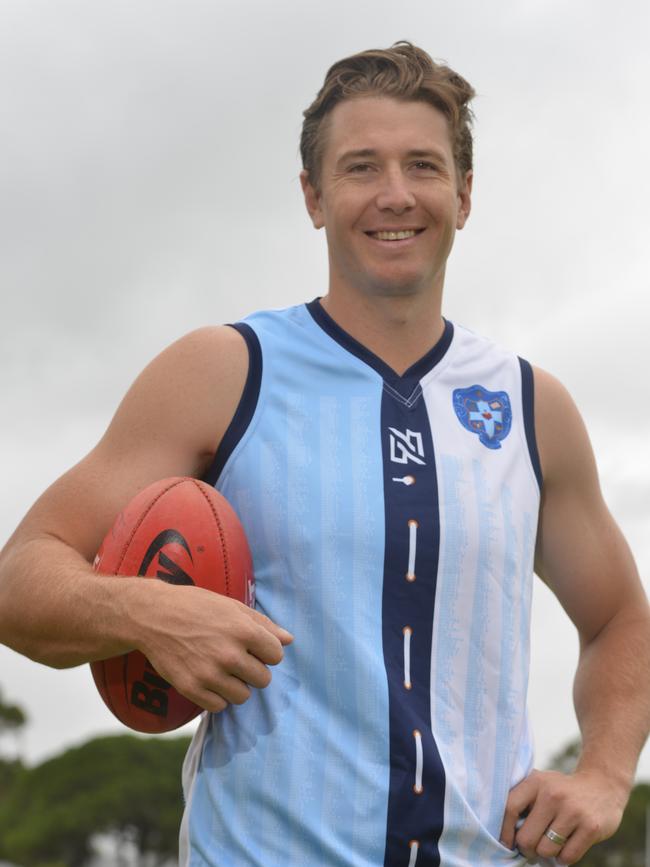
[361, 154]
[416, 153]
[430, 153]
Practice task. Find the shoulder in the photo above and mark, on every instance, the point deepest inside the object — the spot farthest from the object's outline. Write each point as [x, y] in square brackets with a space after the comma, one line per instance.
[183, 401]
[213, 343]
[197, 362]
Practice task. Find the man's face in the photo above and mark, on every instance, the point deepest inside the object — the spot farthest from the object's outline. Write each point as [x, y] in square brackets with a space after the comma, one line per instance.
[389, 196]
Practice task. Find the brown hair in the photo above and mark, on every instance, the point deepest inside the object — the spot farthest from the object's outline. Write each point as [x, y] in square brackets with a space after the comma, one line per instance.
[403, 71]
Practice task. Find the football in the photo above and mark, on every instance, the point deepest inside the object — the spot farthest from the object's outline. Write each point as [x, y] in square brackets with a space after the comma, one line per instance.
[182, 531]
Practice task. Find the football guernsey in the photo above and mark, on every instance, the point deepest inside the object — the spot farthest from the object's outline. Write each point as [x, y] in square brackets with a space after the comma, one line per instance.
[392, 521]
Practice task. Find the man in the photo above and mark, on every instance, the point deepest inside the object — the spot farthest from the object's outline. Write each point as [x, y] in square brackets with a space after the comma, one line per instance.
[396, 476]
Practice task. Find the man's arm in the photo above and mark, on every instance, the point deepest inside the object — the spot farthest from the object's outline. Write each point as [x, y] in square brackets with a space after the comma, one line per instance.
[56, 610]
[584, 559]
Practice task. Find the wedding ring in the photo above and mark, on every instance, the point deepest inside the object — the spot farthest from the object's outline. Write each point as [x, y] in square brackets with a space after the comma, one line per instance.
[554, 837]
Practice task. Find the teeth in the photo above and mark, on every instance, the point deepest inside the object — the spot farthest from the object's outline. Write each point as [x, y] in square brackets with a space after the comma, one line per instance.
[394, 236]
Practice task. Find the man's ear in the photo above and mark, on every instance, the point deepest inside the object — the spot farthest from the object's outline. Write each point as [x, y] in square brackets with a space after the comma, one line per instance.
[312, 200]
[464, 200]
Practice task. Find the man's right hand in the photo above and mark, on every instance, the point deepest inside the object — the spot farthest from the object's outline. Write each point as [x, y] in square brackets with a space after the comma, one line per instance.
[210, 647]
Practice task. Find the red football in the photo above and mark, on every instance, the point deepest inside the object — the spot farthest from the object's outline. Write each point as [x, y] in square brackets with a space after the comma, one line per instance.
[185, 532]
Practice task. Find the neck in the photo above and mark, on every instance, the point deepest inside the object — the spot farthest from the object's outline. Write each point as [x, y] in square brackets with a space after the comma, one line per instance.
[399, 330]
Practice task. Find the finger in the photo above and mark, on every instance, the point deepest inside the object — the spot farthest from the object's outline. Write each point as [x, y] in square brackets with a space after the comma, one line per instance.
[251, 671]
[583, 838]
[234, 690]
[531, 833]
[264, 645]
[202, 695]
[283, 635]
[521, 797]
[219, 693]
[546, 847]
[210, 701]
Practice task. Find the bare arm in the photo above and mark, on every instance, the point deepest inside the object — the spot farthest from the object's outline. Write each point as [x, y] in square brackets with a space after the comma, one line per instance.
[584, 559]
[169, 423]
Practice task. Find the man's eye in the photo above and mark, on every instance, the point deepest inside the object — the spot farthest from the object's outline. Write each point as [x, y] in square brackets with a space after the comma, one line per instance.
[360, 168]
[425, 166]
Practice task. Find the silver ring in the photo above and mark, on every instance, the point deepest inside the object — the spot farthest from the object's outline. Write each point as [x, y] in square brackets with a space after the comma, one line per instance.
[554, 837]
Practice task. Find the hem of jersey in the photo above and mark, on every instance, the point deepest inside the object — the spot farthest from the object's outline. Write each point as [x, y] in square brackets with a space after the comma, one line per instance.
[246, 407]
[528, 404]
[404, 384]
[188, 776]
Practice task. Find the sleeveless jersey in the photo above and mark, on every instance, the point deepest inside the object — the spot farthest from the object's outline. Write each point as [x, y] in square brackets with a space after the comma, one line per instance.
[392, 521]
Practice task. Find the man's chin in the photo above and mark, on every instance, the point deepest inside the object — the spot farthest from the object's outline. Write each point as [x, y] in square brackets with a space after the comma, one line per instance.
[395, 289]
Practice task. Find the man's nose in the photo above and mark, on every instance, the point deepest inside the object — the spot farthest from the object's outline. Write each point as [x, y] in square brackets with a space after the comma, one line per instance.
[394, 193]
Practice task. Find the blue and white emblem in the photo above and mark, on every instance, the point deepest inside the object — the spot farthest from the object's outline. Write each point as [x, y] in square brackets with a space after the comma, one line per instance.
[483, 412]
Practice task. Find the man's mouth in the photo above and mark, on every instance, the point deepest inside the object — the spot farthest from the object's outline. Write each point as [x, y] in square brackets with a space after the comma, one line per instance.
[400, 235]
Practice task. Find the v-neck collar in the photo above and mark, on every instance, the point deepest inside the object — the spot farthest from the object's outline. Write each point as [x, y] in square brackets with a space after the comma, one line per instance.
[404, 383]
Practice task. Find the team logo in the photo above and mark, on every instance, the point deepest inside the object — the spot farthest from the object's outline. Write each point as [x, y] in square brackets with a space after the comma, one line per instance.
[405, 447]
[483, 412]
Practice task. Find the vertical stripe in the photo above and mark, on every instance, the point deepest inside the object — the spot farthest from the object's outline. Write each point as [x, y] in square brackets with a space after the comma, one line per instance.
[528, 404]
[509, 691]
[476, 686]
[417, 781]
[408, 632]
[414, 846]
[367, 788]
[334, 571]
[305, 779]
[246, 408]
[450, 655]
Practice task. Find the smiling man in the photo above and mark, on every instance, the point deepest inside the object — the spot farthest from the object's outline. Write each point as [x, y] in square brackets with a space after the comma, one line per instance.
[398, 478]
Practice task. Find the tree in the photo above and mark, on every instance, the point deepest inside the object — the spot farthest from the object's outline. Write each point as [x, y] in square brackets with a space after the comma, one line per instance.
[121, 785]
[12, 719]
[567, 758]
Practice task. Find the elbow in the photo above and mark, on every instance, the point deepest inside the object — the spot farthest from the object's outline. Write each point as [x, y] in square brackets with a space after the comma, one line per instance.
[27, 639]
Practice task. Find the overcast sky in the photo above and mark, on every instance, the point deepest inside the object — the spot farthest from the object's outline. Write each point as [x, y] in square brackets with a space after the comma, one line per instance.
[149, 185]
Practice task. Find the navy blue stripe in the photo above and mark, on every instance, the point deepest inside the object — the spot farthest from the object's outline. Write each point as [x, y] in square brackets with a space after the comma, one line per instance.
[405, 383]
[246, 407]
[409, 603]
[528, 399]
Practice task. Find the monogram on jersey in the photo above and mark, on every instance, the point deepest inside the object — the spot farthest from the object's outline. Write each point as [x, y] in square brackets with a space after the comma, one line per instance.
[405, 447]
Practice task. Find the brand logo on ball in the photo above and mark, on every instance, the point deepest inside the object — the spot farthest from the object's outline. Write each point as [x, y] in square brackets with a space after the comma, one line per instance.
[151, 693]
[173, 573]
[485, 413]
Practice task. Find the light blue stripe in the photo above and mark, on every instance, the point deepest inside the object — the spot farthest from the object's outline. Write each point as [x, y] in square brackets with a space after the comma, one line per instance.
[338, 656]
[369, 741]
[275, 783]
[303, 775]
[509, 703]
[476, 686]
[449, 638]
[529, 542]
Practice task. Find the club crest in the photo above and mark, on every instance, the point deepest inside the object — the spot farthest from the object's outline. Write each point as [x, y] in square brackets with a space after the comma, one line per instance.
[483, 412]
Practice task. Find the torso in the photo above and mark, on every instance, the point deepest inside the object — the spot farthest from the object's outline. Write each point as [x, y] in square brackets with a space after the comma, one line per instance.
[392, 521]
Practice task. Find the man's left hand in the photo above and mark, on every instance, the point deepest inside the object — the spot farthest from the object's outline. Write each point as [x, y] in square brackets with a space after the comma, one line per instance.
[584, 807]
